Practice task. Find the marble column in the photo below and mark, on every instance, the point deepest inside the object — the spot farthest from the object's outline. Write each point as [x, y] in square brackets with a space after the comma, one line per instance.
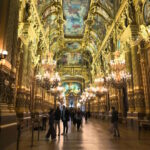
[137, 82]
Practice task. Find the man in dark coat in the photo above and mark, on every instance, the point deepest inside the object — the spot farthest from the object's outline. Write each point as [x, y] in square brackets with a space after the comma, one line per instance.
[51, 131]
[65, 119]
[78, 119]
[114, 121]
[57, 119]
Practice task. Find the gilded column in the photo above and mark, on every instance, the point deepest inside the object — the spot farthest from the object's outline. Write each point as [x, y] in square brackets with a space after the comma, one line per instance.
[145, 76]
[137, 82]
[29, 77]
[131, 105]
[21, 91]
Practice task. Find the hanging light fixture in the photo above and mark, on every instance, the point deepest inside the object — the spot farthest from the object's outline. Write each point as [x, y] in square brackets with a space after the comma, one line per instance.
[55, 79]
[118, 75]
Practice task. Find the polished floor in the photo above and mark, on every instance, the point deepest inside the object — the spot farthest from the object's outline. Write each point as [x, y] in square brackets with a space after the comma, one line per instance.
[94, 135]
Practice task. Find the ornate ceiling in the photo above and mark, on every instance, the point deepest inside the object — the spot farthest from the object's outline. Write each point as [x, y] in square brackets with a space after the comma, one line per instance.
[75, 29]
[75, 13]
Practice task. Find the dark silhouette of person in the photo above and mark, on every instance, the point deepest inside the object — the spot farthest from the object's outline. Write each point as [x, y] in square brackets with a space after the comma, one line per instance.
[114, 121]
[74, 117]
[65, 119]
[57, 120]
[51, 131]
[78, 119]
[86, 116]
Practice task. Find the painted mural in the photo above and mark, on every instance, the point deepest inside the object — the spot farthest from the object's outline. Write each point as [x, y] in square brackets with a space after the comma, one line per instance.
[74, 12]
[99, 27]
[73, 87]
[73, 45]
[71, 59]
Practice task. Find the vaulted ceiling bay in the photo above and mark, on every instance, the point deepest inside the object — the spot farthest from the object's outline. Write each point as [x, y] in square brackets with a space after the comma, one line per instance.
[76, 29]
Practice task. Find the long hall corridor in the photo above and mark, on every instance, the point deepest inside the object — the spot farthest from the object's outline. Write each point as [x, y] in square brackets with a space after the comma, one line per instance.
[62, 59]
[94, 135]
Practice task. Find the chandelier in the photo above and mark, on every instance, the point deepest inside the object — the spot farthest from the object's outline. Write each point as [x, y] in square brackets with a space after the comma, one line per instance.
[57, 90]
[55, 79]
[99, 81]
[118, 75]
[100, 91]
[49, 64]
[46, 81]
[43, 80]
[87, 96]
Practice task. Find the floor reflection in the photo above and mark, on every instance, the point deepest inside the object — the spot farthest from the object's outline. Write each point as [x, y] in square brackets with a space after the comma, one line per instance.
[93, 135]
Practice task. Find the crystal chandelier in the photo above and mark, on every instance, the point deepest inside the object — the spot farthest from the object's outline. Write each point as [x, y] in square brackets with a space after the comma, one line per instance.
[100, 91]
[55, 79]
[118, 75]
[57, 90]
[43, 80]
[49, 64]
[99, 81]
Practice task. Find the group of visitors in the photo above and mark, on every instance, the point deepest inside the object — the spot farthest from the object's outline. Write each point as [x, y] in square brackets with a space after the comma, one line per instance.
[76, 117]
[64, 115]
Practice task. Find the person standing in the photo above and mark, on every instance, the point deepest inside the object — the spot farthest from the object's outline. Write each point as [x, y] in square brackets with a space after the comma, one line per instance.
[114, 121]
[57, 120]
[51, 131]
[65, 119]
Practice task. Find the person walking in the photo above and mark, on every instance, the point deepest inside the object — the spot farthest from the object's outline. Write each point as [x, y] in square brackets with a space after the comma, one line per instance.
[78, 119]
[51, 131]
[65, 119]
[57, 120]
[114, 121]
[86, 116]
[74, 117]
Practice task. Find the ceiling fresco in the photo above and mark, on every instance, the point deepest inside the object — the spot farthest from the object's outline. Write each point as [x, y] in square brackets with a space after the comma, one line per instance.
[73, 45]
[69, 33]
[75, 12]
[71, 59]
[73, 87]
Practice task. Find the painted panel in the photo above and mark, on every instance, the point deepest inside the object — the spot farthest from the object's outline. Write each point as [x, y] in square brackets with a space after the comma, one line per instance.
[74, 12]
[71, 59]
[73, 87]
[73, 45]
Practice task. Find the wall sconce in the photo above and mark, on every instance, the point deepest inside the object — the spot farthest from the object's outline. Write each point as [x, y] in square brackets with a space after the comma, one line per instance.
[3, 54]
